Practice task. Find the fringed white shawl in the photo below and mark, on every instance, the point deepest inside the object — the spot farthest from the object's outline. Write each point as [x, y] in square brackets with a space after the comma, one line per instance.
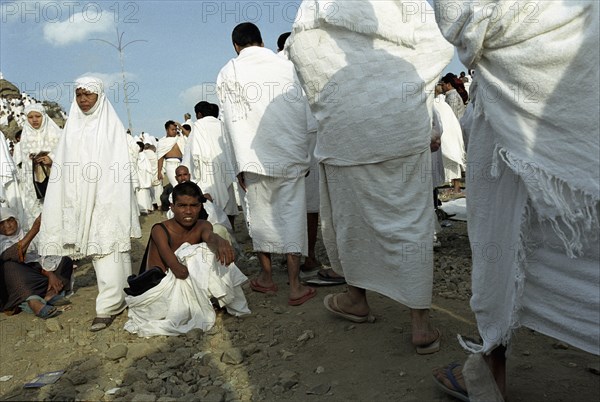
[88, 209]
[537, 78]
[368, 69]
[264, 111]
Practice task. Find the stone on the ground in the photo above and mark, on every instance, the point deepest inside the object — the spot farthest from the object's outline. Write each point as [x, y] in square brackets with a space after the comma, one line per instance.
[116, 352]
[232, 356]
[320, 389]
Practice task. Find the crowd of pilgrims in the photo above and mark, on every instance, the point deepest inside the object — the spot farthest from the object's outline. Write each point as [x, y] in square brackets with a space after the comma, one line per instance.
[49, 282]
[290, 165]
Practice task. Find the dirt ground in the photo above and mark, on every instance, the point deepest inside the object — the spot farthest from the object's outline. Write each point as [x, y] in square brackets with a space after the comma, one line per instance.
[278, 352]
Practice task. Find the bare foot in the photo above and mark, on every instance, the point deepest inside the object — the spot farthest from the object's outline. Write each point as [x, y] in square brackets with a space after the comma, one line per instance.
[36, 306]
[310, 264]
[299, 292]
[422, 338]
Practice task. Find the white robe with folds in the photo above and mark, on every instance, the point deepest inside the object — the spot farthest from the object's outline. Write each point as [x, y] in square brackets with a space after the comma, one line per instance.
[34, 141]
[533, 207]
[453, 149]
[90, 209]
[209, 160]
[10, 193]
[368, 73]
[385, 51]
[265, 114]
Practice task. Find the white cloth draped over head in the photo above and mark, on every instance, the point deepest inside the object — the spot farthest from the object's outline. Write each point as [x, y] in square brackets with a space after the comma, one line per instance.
[8, 241]
[210, 159]
[390, 88]
[48, 263]
[545, 118]
[265, 113]
[43, 139]
[89, 205]
[176, 306]
[10, 193]
[34, 141]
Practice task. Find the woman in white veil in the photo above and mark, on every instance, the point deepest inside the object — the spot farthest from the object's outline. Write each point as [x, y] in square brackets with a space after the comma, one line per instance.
[38, 140]
[89, 209]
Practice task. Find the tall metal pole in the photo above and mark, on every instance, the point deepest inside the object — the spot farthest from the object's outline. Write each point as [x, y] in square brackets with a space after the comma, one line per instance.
[120, 48]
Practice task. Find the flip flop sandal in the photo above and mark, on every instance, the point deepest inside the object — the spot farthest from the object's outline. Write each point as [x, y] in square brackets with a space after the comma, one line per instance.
[100, 323]
[48, 311]
[432, 347]
[59, 300]
[304, 298]
[255, 286]
[330, 303]
[324, 275]
[457, 390]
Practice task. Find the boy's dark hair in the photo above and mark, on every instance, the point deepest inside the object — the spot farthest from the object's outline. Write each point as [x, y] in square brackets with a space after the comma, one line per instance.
[169, 123]
[215, 110]
[246, 34]
[187, 127]
[204, 108]
[207, 109]
[281, 41]
[188, 188]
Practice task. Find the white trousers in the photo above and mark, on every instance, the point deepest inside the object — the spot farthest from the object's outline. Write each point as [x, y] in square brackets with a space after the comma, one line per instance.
[144, 200]
[171, 165]
[156, 192]
[112, 271]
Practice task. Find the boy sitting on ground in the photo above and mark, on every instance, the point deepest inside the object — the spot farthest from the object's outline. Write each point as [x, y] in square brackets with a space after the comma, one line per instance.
[199, 272]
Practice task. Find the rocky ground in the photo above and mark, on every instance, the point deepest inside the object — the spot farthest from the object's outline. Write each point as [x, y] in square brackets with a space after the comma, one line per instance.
[279, 352]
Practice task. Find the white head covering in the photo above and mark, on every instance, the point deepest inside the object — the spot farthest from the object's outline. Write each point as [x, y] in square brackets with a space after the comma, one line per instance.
[88, 205]
[8, 241]
[41, 139]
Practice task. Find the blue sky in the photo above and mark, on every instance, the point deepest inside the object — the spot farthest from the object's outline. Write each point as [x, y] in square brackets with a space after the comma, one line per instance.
[46, 45]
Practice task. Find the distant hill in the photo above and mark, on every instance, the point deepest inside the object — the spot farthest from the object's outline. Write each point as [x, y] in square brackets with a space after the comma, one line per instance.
[12, 103]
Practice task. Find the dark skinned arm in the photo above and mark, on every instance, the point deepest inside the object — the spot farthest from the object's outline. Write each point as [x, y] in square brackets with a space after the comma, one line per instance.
[218, 245]
[159, 238]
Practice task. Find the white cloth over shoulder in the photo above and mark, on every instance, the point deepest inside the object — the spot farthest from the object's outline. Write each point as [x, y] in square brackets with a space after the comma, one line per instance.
[89, 209]
[210, 162]
[544, 119]
[385, 50]
[265, 114]
[176, 306]
[165, 145]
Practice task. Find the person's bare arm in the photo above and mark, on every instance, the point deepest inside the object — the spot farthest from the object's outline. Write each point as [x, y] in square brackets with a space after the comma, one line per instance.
[18, 250]
[160, 167]
[159, 237]
[218, 245]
